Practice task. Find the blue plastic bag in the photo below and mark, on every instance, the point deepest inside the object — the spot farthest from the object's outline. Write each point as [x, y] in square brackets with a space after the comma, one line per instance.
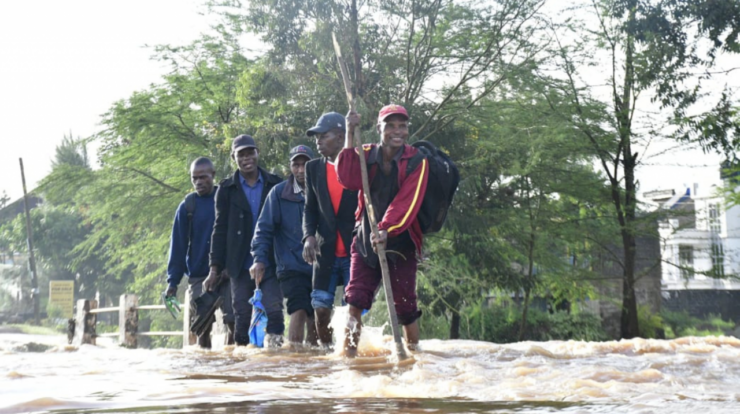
[259, 320]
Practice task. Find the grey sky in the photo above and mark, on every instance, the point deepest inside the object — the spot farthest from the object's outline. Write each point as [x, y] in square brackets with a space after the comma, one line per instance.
[65, 63]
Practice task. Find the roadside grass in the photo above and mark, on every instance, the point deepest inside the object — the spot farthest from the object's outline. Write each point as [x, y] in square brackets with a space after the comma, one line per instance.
[36, 330]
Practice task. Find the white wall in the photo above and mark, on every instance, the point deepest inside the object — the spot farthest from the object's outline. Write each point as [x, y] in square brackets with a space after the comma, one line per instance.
[700, 239]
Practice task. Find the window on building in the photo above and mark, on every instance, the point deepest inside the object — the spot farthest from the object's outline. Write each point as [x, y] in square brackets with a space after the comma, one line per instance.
[718, 259]
[715, 225]
[718, 251]
[686, 261]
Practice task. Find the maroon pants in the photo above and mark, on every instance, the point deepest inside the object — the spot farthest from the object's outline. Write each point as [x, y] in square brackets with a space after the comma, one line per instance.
[364, 281]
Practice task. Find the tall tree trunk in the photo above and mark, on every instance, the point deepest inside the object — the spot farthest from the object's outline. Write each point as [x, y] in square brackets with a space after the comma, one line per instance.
[530, 282]
[455, 326]
[525, 311]
[629, 323]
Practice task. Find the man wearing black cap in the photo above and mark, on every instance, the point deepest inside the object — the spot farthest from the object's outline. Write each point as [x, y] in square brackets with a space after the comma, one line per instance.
[279, 230]
[328, 221]
[239, 200]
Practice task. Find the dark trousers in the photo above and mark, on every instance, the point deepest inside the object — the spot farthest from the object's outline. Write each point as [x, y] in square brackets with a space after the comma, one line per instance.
[296, 287]
[242, 289]
[364, 281]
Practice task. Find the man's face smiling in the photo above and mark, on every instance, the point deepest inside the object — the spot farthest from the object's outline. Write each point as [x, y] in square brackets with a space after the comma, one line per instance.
[395, 131]
[247, 160]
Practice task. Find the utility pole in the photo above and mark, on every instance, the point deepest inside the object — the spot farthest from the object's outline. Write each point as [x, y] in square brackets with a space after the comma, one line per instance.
[31, 259]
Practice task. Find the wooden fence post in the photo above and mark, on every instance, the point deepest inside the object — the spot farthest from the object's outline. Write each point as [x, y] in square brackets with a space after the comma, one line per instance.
[187, 337]
[85, 322]
[128, 320]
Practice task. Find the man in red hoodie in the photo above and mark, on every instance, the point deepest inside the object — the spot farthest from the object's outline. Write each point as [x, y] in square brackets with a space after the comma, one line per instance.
[396, 196]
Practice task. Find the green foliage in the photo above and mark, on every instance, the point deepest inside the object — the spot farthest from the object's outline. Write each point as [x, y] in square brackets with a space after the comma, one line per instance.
[487, 81]
[678, 324]
[54, 312]
[651, 324]
[71, 152]
[102, 327]
[501, 324]
[719, 323]
[639, 49]
[36, 330]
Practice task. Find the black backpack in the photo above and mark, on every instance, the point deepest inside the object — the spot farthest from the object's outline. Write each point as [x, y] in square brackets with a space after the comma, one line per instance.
[444, 177]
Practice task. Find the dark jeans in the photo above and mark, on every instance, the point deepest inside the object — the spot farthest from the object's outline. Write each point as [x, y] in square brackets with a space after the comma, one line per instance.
[339, 272]
[296, 287]
[242, 289]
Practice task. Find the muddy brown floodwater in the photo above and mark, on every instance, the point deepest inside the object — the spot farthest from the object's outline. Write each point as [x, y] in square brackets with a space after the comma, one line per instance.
[686, 375]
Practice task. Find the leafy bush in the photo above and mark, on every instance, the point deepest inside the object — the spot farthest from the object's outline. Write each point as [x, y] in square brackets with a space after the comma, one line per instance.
[651, 325]
[502, 325]
[584, 326]
[676, 323]
[54, 311]
[719, 323]
[682, 324]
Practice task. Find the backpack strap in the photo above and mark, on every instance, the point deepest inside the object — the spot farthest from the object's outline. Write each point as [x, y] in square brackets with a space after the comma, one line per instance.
[190, 209]
[414, 162]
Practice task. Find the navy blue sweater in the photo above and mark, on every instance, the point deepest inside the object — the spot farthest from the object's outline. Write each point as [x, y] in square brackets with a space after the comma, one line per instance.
[194, 262]
[280, 226]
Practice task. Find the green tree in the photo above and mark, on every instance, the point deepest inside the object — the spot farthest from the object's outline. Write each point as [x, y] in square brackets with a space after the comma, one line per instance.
[437, 58]
[72, 152]
[656, 51]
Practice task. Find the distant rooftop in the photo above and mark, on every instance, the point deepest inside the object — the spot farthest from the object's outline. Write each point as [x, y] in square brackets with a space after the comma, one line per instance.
[15, 208]
[659, 195]
[677, 199]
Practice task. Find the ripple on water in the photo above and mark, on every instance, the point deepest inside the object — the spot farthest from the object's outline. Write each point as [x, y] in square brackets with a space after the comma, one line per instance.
[616, 373]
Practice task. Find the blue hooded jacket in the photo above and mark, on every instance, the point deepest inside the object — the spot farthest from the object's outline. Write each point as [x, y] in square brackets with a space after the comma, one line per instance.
[280, 226]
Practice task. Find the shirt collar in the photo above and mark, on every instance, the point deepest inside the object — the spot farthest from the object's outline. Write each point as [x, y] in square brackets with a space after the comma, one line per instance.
[376, 154]
[296, 187]
[244, 181]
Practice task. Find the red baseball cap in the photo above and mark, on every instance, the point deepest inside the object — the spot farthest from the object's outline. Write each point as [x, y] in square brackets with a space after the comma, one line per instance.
[391, 109]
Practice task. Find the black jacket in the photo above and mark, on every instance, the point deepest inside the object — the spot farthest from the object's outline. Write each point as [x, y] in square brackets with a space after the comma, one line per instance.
[320, 221]
[233, 229]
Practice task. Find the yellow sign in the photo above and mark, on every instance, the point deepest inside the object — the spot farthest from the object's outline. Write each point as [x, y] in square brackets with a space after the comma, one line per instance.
[62, 295]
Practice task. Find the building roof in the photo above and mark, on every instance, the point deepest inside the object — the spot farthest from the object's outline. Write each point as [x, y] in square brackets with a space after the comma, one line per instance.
[676, 200]
[9, 212]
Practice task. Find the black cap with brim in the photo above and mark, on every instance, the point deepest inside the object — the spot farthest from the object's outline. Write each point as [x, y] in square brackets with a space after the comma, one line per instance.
[327, 122]
[301, 151]
[241, 142]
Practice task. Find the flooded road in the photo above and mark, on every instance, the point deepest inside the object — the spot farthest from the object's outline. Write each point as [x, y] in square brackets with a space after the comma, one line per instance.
[687, 375]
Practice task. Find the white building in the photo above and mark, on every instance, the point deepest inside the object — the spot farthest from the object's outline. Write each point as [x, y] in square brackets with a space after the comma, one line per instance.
[700, 241]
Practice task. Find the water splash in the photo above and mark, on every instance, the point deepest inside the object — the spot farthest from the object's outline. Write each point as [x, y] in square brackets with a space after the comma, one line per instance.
[686, 375]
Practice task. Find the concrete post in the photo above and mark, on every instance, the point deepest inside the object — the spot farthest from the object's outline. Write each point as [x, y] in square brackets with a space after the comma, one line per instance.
[85, 322]
[128, 320]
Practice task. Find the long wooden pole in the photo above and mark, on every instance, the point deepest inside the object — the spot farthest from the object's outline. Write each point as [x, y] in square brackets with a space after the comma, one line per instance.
[400, 350]
[31, 259]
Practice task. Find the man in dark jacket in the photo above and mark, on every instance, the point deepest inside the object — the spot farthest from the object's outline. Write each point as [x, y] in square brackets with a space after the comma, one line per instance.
[328, 221]
[239, 200]
[279, 227]
[191, 242]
